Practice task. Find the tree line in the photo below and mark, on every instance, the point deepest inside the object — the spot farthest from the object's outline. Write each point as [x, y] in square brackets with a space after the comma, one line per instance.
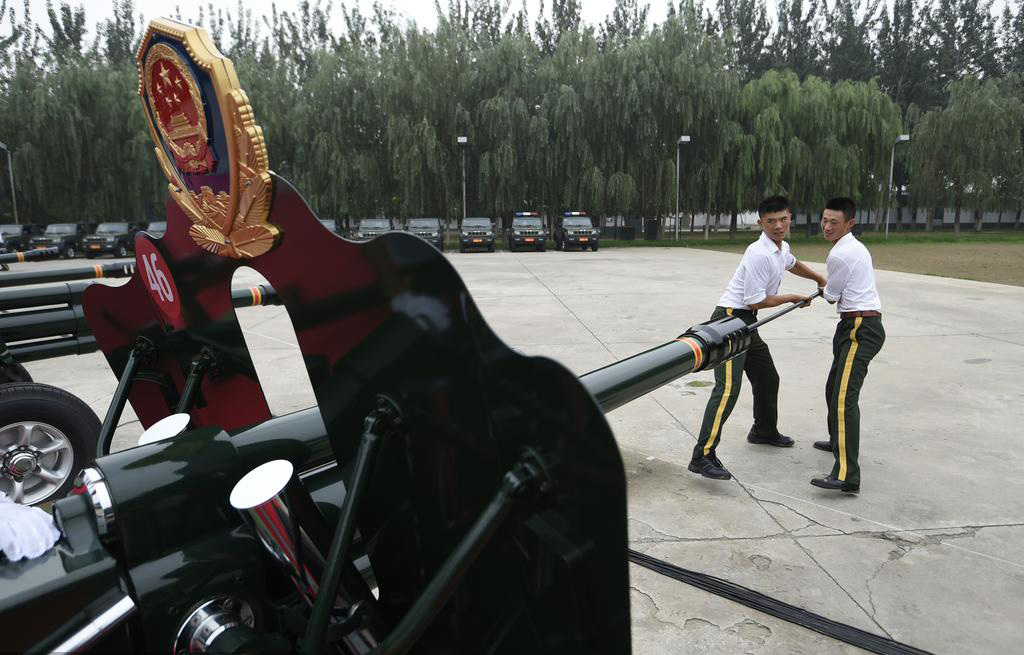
[560, 114]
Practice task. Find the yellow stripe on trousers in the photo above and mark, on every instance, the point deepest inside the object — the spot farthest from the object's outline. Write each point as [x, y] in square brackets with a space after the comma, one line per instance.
[717, 425]
[841, 402]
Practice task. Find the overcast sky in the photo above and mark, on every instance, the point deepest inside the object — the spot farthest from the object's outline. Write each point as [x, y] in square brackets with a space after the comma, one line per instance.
[420, 11]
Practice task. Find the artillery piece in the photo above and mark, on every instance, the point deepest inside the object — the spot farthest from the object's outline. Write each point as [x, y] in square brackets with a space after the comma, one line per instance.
[446, 495]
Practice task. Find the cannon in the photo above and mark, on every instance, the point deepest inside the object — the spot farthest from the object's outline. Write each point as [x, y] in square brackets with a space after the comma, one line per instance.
[446, 495]
[40, 323]
[21, 256]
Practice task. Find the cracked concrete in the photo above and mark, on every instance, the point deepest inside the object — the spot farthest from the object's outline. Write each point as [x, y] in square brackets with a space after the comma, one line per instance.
[931, 551]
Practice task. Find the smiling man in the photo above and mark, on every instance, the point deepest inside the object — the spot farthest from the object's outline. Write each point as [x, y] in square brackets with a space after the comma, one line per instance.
[859, 336]
[754, 286]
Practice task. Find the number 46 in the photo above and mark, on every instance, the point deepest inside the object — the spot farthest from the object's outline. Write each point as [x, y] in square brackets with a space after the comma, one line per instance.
[157, 280]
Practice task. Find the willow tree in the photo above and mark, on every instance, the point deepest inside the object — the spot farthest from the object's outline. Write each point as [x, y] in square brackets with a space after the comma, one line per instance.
[958, 154]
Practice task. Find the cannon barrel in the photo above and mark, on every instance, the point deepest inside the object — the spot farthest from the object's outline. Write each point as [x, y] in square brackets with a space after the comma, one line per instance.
[701, 347]
[50, 348]
[20, 256]
[69, 293]
[42, 323]
[58, 327]
[123, 269]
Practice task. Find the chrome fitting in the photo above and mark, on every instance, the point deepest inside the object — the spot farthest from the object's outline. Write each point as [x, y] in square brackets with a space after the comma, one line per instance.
[102, 503]
[209, 621]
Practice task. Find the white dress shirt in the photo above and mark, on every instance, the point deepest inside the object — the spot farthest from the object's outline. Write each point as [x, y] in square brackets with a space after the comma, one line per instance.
[759, 274]
[851, 277]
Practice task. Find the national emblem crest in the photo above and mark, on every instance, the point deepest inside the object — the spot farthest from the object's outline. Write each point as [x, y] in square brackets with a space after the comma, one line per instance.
[207, 141]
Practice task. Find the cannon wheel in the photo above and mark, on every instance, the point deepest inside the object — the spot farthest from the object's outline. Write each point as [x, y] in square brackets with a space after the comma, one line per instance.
[46, 437]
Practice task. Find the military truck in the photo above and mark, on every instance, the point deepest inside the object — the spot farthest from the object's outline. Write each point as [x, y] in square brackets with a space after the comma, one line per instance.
[331, 224]
[526, 231]
[575, 230]
[66, 237]
[477, 232]
[155, 228]
[427, 228]
[117, 239]
[17, 237]
[368, 228]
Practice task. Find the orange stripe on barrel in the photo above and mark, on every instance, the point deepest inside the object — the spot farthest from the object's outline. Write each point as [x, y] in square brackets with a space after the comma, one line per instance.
[99, 270]
[257, 297]
[698, 353]
[21, 256]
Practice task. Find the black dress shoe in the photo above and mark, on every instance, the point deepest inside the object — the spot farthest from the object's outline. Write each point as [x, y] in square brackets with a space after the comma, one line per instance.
[780, 440]
[825, 445]
[709, 467]
[829, 482]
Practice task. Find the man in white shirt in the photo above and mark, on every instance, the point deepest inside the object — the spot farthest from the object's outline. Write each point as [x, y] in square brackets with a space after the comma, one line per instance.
[754, 286]
[859, 336]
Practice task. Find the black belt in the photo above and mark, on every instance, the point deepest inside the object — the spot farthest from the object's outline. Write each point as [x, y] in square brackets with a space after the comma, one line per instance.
[859, 314]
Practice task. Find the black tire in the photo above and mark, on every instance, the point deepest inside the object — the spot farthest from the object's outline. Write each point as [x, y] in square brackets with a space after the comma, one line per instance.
[14, 372]
[90, 255]
[540, 248]
[594, 247]
[68, 252]
[26, 402]
[122, 251]
[490, 248]
[462, 248]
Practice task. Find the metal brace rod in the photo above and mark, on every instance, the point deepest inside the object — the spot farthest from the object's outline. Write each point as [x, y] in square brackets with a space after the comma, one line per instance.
[205, 363]
[520, 483]
[142, 349]
[380, 423]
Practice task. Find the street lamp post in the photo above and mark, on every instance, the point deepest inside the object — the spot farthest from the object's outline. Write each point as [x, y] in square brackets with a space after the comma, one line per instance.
[903, 138]
[679, 148]
[10, 172]
[463, 142]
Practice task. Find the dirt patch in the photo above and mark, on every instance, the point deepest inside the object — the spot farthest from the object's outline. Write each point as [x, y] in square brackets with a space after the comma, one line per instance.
[986, 262]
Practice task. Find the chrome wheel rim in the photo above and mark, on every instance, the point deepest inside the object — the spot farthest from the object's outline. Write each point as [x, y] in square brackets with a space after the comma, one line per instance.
[36, 459]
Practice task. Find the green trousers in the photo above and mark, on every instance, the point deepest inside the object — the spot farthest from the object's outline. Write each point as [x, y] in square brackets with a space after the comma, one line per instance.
[764, 382]
[855, 344]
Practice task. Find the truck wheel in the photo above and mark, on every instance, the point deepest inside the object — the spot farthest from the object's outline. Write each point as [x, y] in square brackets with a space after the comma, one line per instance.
[594, 247]
[69, 252]
[122, 250]
[540, 248]
[47, 436]
[490, 248]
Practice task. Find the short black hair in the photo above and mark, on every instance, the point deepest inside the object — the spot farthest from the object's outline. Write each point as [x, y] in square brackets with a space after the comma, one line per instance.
[772, 204]
[845, 205]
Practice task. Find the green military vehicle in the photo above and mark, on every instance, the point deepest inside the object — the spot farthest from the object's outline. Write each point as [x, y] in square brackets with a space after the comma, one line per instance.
[575, 230]
[369, 228]
[66, 237]
[156, 228]
[526, 231]
[476, 233]
[427, 228]
[17, 237]
[117, 239]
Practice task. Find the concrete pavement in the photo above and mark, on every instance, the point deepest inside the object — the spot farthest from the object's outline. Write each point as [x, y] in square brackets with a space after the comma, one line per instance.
[932, 550]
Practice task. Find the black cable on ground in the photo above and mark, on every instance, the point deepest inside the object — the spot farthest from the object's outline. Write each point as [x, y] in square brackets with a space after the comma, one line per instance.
[758, 601]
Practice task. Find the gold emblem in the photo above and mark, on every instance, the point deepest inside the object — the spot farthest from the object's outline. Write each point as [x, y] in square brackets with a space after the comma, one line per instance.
[230, 222]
